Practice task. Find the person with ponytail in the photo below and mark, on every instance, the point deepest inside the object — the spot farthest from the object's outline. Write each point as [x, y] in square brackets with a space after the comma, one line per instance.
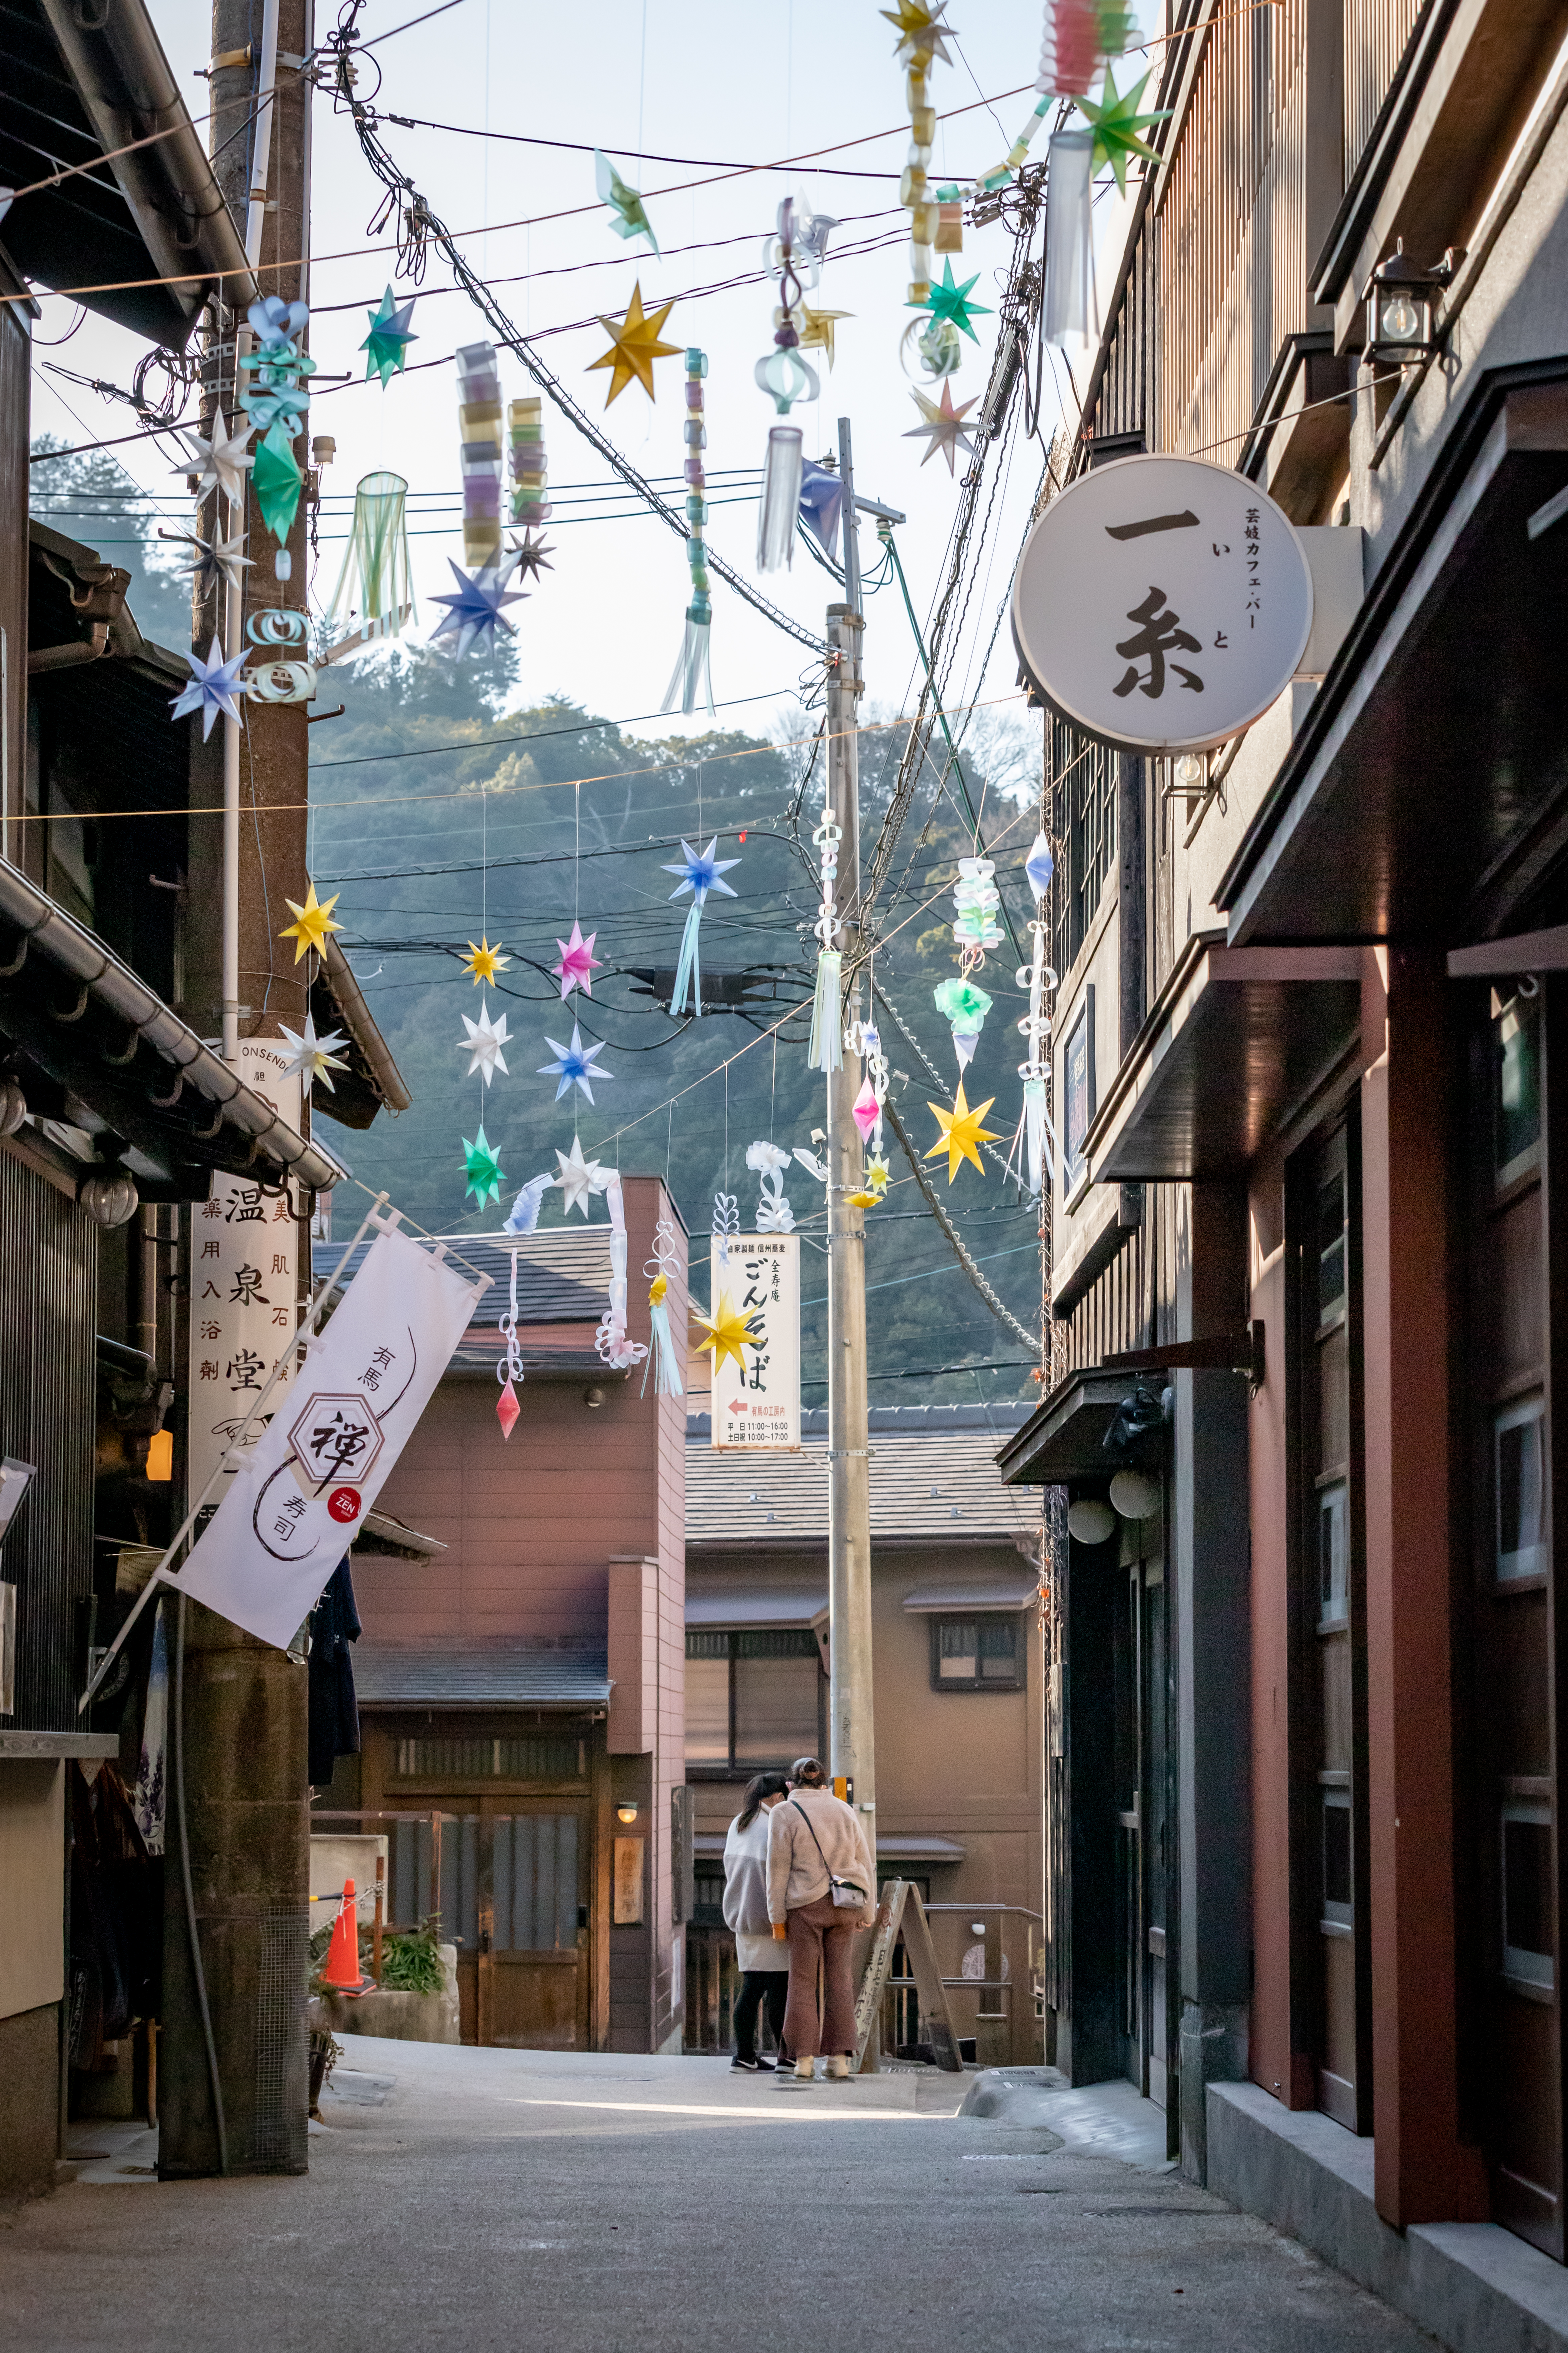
[764, 1978]
[822, 1888]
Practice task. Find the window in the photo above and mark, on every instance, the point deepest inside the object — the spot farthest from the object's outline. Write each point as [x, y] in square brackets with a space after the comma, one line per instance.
[1078, 1085]
[1333, 1570]
[1331, 1249]
[1083, 804]
[494, 1760]
[752, 1699]
[1527, 1939]
[1516, 1046]
[1519, 1472]
[975, 1655]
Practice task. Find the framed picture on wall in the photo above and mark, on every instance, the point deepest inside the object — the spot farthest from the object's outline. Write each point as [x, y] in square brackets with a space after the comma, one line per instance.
[1077, 1087]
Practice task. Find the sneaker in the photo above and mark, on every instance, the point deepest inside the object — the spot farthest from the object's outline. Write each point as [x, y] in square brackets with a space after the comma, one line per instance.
[788, 2081]
[746, 2066]
[837, 2071]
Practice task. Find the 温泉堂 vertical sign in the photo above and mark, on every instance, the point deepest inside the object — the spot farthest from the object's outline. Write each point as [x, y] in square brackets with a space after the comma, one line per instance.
[759, 1275]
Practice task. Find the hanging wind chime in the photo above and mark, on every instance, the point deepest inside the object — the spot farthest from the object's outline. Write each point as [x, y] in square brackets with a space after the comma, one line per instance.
[692, 678]
[376, 581]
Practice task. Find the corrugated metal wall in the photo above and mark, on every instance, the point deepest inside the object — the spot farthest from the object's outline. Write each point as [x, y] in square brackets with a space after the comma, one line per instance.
[48, 1305]
[1376, 33]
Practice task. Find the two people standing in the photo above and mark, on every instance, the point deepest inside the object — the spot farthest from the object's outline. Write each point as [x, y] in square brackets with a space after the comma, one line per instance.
[819, 1886]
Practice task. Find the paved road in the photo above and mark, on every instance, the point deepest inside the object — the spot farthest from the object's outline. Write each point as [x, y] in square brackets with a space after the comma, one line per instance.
[597, 2204]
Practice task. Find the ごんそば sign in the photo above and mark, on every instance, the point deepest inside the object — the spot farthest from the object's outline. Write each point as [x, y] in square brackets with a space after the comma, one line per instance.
[1161, 604]
[759, 1406]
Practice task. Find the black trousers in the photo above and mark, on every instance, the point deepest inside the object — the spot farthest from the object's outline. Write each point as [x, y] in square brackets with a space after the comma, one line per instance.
[758, 1986]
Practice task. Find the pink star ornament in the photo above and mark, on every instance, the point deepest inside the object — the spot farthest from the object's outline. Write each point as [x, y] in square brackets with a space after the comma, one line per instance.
[865, 1109]
[578, 962]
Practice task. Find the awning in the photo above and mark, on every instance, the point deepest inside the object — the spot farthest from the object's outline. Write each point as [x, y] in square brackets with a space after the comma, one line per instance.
[1001, 1593]
[1066, 1438]
[1238, 1037]
[480, 1674]
[1413, 803]
[379, 1535]
[130, 1068]
[752, 1606]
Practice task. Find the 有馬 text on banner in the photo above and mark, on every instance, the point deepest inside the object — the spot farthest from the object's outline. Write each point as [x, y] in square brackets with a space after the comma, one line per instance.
[759, 1274]
[290, 1514]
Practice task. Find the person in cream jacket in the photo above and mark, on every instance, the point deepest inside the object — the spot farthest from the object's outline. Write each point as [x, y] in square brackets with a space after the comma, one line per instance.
[814, 1839]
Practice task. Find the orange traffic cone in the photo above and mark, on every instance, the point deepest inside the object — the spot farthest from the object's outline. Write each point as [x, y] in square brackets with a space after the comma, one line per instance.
[343, 1973]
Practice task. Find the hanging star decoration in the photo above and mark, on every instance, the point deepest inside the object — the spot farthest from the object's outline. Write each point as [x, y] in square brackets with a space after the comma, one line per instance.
[483, 1045]
[579, 1178]
[943, 428]
[822, 505]
[578, 962]
[728, 1333]
[574, 1064]
[532, 555]
[221, 463]
[1117, 122]
[700, 871]
[313, 1058]
[484, 962]
[214, 685]
[213, 558]
[626, 204]
[1039, 866]
[961, 1133]
[819, 328]
[921, 31]
[879, 1175]
[950, 301]
[482, 1168]
[634, 346]
[389, 339]
[314, 922]
[476, 609]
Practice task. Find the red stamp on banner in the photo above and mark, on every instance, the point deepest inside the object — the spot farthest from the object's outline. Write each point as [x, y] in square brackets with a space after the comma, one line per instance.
[343, 1503]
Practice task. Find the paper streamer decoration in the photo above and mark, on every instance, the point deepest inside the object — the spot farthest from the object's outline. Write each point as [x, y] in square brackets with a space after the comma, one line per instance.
[1070, 311]
[524, 1216]
[525, 431]
[509, 1372]
[276, 401]
[1029, 1158]
[922, 39]
[615, 1348]
[785, 377]
[701, 872]
[478, 421]
[1077, 34]
[691, 680]
[775, 1215]
[375, 581]
[826, 1050]
[663, 1359]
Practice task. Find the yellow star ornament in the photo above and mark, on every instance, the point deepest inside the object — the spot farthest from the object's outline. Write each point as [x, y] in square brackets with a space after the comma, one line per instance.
[484, 962]
[314, 922]
[961, 1133]
[819, 328]
[728, 1333]
[633, 345]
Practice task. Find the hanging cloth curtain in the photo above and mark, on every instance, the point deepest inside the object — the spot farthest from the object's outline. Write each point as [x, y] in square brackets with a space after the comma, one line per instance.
[375, 581]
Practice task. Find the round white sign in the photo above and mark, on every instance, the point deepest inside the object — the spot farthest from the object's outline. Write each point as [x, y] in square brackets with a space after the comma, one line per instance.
[1161, 604]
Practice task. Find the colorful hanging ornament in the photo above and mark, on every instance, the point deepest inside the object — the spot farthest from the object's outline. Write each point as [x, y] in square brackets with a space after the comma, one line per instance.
[961, 1133]
[276, 402]
[628, 217]
[523, 1217]
[976, 906]
[1039, 866]
[922, 39]
[965, 1006]
[726, 1224]
[389, 339]
[482, 1168]
[785, 377]
[610, 1340]
[1029, 1151]
[574, 1065]
[948, 220]
[821, 506]
[701, 872]
[669, 1255]
[525, 431]
[213, 559]
[729, 1333]
[1071, 313]
[275, 643]
[775, 1215]
[475, 612]
[213, 688]
[532, 555]
[808, 235]
[222, 463]
[634, 346]
[818, 330]
[578, 1178]
[825, 1051]
[692, 678]
[478, 422]
[942, 427]
[483, 1045]
[1077, 35]
[312, 1057]
[509, 1372]
[949, 302]
[484, 962]
[376, 582]
[861, 1038]
[578, 962]
[314, 922]
[1116, 123]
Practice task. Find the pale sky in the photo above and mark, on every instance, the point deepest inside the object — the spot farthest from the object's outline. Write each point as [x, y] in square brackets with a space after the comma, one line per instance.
[720, 85]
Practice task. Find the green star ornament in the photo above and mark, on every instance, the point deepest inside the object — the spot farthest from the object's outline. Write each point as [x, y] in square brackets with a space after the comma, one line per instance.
[1117, 122]
[389, 339]
[950, 301]
[482, 1168]
[278, 483]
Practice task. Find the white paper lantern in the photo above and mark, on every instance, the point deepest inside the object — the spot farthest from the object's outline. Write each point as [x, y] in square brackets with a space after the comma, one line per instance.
[1135, 1494]
[1091, 1521]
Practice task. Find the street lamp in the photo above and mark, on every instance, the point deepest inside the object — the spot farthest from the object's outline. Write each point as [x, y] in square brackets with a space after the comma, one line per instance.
[1400, 326]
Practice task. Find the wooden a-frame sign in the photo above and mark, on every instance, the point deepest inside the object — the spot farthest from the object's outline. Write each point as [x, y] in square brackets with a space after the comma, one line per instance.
[901, 1912]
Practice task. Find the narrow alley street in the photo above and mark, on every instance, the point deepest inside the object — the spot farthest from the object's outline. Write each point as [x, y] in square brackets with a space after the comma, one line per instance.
[590, 2203]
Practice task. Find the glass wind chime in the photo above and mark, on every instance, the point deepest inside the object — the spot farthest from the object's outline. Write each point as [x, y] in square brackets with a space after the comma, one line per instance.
[691, 680]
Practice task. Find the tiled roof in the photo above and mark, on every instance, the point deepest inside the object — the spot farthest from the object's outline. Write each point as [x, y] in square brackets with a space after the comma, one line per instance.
[562, 1276]
[933, 1478]
[480, 1674]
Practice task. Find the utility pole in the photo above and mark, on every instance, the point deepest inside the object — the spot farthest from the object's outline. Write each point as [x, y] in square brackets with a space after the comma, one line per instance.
[853, 1752]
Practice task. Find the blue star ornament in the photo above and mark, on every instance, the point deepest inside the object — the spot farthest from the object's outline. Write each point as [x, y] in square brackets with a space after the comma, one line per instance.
[214, 685]
[574, 1065]
[476, 609]
[1039, 866]
[821, 504]
[699, 871]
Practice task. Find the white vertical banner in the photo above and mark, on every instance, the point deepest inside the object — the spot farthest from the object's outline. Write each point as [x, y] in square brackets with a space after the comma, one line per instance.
[289, 1512]
[759, 1276]
[245, 1291]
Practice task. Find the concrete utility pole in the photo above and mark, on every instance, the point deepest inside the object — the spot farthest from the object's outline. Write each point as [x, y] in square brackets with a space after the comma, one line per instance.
[232, 2081]
[853, 1756]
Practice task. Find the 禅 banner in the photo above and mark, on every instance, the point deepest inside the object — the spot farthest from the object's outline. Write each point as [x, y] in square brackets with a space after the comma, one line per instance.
[759, 1274]
[289, 1514]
